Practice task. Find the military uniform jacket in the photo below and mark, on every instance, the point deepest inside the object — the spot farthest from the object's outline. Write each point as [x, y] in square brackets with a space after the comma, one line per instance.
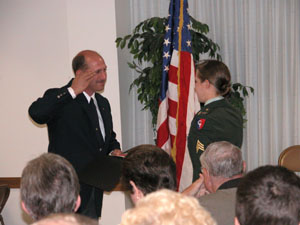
[216, 121]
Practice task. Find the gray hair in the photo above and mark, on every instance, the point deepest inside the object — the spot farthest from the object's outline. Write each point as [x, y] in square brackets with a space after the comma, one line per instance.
[222, 159]
[49, 184]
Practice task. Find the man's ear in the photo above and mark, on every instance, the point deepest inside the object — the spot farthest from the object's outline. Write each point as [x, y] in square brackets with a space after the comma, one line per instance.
[205, 172]
[78, 72]
[244, 166]
[24, 208]
[78, 202]
[236, 221]
[207, 180]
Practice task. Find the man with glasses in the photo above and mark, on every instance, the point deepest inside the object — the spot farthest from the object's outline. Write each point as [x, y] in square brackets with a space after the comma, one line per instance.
[222, 169]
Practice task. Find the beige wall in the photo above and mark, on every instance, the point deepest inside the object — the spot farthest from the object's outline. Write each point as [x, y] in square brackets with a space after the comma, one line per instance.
[38, 41]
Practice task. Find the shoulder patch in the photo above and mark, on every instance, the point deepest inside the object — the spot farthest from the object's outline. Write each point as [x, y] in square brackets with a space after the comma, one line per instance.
[200, 123]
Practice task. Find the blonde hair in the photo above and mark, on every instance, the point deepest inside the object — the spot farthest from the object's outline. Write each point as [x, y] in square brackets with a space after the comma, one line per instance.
[166, 207]
[66, 219]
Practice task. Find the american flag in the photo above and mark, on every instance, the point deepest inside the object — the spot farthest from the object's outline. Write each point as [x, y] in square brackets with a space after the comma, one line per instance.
[178, 102]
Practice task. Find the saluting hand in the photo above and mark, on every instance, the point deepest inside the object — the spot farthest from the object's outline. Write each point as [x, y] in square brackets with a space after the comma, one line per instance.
[82, 80]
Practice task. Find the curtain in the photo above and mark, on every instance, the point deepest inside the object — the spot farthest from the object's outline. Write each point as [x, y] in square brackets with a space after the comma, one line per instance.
[260, 43]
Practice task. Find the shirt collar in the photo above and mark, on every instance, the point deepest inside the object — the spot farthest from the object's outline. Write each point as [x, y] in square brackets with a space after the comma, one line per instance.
[213, 99]
[230, 184]
[88, 98]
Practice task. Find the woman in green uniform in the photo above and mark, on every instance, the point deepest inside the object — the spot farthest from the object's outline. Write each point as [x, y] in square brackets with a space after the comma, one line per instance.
[217, 120]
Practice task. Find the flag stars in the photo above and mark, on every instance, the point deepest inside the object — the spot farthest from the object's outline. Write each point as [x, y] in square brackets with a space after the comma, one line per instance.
[166, 55]
[189, 26]
[166, 68]
[167, 28]
[166, 42]
[188, 43]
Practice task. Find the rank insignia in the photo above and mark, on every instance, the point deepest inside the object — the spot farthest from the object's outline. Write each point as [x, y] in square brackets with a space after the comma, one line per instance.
[199, 113]
[200, 123]
[199, 146]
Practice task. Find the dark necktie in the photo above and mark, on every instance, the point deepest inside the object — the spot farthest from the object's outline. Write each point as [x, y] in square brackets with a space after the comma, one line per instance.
[95, 118]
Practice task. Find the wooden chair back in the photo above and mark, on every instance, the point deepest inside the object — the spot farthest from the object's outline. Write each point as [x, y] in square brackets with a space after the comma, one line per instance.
[290, 158]
[4, 194]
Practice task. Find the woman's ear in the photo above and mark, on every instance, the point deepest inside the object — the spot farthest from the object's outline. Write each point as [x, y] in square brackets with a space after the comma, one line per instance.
[207, 83]
[134, 188]
[137, 193]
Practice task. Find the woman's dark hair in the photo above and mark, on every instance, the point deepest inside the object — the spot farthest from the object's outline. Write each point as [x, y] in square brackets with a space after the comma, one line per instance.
[217, 73]
[150, 168]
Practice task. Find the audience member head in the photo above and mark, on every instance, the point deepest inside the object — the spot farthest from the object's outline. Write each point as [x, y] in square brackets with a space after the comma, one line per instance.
[49, 184]
[212, 73]
[147, 168]
[268, 195]
[221, 161]
[166, 207]
[66, 219]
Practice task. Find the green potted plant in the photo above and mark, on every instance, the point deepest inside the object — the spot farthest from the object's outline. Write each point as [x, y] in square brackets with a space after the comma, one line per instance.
[146, 45]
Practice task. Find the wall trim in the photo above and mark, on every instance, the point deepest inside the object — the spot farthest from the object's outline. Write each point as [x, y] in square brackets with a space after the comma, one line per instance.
[13, 182]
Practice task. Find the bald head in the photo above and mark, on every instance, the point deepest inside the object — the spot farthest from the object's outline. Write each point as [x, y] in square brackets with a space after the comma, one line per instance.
[82, 59]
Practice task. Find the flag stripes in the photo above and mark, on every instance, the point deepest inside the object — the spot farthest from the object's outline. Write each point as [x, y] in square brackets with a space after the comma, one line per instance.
[178, 102]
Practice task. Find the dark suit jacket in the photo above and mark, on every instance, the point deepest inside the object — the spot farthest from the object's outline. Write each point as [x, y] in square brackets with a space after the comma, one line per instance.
[72, 133]
[70, 128]
[221, 204]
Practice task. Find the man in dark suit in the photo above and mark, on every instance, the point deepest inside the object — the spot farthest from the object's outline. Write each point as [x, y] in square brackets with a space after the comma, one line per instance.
[79, 122]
